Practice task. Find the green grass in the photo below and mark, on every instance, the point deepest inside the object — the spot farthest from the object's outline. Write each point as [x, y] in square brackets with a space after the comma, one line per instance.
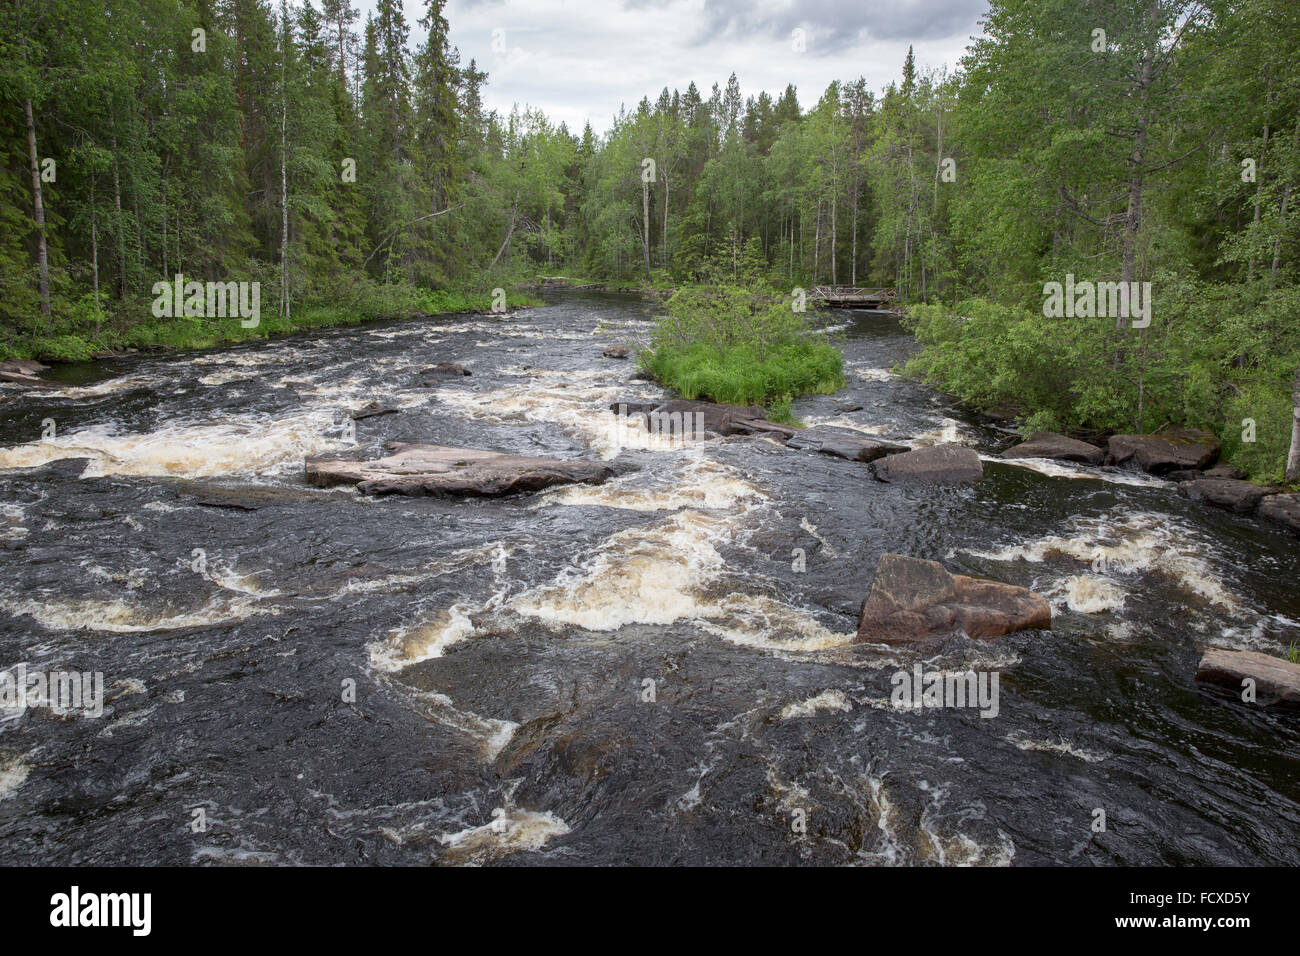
[82, 332]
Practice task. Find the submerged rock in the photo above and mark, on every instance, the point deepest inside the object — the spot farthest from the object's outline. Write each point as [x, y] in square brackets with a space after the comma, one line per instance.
[435, 375]
[1282, 509]
[936, 464]
[419, 469]
[843, 444]
[372, 410]
[1058, 447]
[1239, 496]
[1177, 449]
[1277, 681]
[917, 601]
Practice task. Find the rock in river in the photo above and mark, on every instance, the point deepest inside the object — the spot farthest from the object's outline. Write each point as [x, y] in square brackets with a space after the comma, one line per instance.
[936, 464]
[615, 351]
[1277, 681]
[1059, 447]
[436, 375]
[1176, 449]
[843, 444]
[418, 469]
[916, 601]
[1282, 509]
[1239, 496]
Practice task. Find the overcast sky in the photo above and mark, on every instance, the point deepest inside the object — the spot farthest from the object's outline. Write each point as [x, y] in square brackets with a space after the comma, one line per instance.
[578, 60]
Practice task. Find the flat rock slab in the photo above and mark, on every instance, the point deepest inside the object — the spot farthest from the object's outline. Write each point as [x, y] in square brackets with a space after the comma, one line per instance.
[1160, 454]
[1241, 497]
[716, 418]
[1277, 681]
[914, 601]
[1281, 509]
[373, 409]
[937, 464]
[418, 469]
[843, 444]
[1058, 447]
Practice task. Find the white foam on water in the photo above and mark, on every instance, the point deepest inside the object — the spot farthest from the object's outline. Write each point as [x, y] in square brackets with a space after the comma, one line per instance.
[421, 642]
[234, 445]
[1131, 543]
[826, 700]
[699, 482]
[13, 773]
[1089, 594]
[1063, 469]
[1059, 746]
[122, 617]
[511, 831]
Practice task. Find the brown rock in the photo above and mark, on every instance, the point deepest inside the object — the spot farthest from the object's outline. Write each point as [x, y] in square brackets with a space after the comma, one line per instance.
[1168, 451]
[936, 464]
[1058, 447]
[418, 469]
[615, 351]
[1239, 496]
[1277, 681]
[717, 418]
[435, 375]
[916, 601]
[1282, 509]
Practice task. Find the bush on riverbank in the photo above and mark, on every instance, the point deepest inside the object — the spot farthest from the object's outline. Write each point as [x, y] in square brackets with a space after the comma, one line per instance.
[741, 346]
[1215, 356]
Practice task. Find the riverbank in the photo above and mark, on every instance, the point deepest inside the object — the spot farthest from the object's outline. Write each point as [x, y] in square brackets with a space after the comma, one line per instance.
[132, 327]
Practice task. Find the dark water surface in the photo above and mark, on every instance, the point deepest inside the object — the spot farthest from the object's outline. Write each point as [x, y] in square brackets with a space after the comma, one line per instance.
[502, 650]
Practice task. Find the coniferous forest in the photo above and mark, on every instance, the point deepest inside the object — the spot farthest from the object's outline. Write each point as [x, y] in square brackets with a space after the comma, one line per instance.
[351, 168]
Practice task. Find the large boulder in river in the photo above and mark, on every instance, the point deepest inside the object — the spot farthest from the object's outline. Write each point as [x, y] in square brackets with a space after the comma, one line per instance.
[417, 469]
[1239, 496]
[1160, 454]
[843, 444]
[1277, 681]
[1282, 509]
[916, 601]
[935, 464]
[1058, 447]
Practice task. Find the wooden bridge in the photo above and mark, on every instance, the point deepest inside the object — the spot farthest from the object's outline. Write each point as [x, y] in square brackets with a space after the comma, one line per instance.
[852, 297]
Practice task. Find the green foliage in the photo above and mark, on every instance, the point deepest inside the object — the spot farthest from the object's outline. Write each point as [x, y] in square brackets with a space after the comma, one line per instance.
[741, 347]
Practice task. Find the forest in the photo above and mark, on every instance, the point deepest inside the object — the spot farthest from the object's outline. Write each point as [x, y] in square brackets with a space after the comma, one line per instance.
[352, 169]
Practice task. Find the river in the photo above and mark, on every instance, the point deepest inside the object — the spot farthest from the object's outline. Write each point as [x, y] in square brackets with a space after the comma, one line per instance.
[656, 670]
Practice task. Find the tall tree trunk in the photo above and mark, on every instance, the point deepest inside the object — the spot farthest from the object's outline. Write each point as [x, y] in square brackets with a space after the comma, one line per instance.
[835, 277]
[38, 210]
[117, 227]
[645, 223]
[1286, 195]
[1293, 459]
[284, 176]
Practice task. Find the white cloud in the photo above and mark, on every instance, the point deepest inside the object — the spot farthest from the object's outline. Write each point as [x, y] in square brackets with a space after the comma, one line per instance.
[579, 60]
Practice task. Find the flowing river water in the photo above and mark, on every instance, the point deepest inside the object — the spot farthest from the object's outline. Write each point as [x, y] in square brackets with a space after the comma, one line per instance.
[655, 670]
